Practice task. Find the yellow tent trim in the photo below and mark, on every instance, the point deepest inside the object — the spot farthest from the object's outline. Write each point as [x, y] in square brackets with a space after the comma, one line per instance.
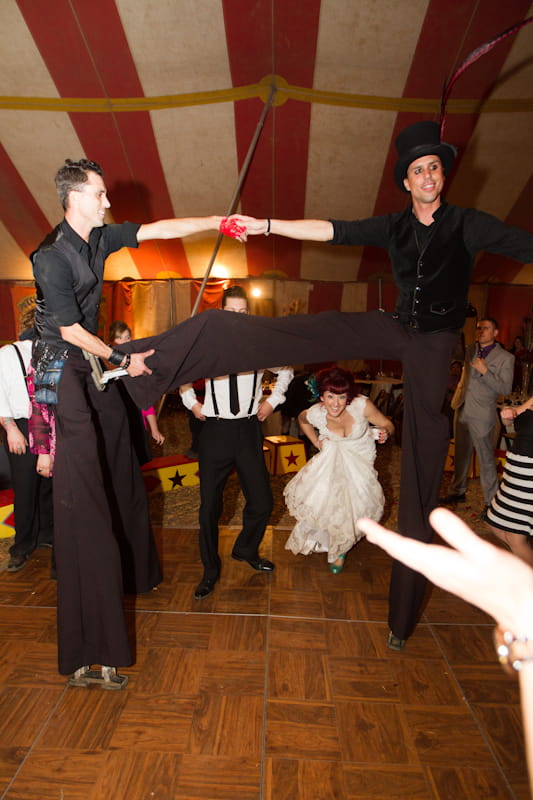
[261, 91]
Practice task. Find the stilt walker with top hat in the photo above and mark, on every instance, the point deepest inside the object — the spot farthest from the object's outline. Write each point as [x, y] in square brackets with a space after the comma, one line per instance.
[432, 246]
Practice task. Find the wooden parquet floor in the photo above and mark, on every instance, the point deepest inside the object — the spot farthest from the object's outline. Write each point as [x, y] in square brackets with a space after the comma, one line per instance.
[276, 687]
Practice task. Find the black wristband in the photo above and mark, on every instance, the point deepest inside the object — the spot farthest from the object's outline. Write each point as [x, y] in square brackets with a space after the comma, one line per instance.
[116, 357]
[127, 361]
[267, 232]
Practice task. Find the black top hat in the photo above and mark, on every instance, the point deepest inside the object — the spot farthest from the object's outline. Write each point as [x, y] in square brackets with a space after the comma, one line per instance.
[421, 139]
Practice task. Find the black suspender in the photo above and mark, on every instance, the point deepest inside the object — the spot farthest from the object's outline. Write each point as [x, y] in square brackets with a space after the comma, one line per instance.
[214, 399]
[23, 368]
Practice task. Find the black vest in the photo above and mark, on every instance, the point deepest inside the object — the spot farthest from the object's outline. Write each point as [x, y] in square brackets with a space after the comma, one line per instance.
[432, 275]
[86, 282]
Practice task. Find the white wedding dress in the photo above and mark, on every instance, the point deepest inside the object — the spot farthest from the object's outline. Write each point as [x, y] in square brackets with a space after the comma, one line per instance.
[335, 488]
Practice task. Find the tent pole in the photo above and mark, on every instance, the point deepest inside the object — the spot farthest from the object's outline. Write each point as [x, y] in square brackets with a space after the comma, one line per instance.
[236, 193]
[233, 203]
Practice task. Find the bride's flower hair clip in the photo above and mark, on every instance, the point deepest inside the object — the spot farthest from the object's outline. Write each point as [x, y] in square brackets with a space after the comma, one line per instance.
[312, 387]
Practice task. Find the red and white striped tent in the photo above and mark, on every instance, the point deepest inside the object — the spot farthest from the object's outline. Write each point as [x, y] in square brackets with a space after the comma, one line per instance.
[167, 96]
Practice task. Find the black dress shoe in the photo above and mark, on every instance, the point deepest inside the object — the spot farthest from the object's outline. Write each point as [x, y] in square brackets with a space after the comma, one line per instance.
[204, 588]
[260, 564]
[16, 563]
[449, 499]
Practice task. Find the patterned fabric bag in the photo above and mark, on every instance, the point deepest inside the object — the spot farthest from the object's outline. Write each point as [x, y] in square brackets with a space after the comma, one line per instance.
[48, 363]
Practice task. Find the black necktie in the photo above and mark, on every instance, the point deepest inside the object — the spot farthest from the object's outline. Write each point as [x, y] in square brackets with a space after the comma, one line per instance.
[233, 395]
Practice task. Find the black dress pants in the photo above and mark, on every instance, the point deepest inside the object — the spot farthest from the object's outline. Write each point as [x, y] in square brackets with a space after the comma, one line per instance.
[33, 511]
[103, 540]
[225, 444]
[219, 342]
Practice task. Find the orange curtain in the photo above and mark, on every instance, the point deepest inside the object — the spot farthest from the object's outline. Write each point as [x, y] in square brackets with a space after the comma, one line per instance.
[212, 294]
[121, 304]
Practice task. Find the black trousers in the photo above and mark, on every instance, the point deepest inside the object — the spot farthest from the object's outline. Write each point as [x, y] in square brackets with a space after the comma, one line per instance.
[33, 511]
[223, 445]
[219, 342]
[103, 540]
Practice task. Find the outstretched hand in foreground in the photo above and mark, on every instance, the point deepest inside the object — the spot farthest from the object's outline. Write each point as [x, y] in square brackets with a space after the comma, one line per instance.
[499, 583]
[494, 580]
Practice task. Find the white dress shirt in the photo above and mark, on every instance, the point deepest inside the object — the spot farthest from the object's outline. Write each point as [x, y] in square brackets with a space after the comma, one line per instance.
[245, 385]
[14, 399]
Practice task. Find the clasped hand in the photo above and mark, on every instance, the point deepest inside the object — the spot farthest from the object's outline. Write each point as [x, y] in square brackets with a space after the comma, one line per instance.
[137, 366]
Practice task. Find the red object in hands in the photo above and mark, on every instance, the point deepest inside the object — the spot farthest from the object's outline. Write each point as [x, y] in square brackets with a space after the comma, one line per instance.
[231, 227]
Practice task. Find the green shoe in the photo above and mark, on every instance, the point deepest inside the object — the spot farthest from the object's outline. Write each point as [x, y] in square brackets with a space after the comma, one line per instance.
[336, 568]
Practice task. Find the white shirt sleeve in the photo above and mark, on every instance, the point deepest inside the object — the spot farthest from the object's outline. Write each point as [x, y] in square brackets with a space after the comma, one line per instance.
[188, 398]
[14, 400]
[285, 376]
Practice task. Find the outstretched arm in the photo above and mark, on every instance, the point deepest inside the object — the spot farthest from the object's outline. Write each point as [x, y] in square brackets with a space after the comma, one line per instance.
[78, 335]
[177, 228]
[496, 581]
[314, 230]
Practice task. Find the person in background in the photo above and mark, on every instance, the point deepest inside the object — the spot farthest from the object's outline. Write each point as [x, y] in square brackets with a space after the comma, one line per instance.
[487, 374]
[30, 472]
[339, 484]
[119, 333]
[27, 324]
[497, 582]
[456, 370]
[510, 514]
[231, 438]
[521, 357]
[297, 399]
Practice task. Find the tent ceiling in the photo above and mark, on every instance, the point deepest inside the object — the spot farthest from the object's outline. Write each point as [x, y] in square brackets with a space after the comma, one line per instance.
[167, 94]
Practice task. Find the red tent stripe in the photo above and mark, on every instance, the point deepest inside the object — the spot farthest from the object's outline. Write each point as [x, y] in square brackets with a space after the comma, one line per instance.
[276, 184]
[105, 67]
[18, 210]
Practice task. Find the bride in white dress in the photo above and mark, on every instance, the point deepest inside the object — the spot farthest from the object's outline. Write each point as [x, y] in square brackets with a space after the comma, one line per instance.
[339, 484]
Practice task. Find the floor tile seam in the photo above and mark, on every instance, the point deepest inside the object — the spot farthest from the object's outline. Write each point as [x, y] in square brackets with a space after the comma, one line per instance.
[419, 769]
[263, 771]
[265, 615]
[498, 764]
[303, 617]
[450, 624]
[175, 529]
[32, 607]
[335, 700]
[380, 621]
[35, 742]
[158, 611]
[471, 710]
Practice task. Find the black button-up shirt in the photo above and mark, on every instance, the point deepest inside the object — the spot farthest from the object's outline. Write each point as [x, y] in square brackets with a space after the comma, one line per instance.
[69, 273]
[432, 265]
